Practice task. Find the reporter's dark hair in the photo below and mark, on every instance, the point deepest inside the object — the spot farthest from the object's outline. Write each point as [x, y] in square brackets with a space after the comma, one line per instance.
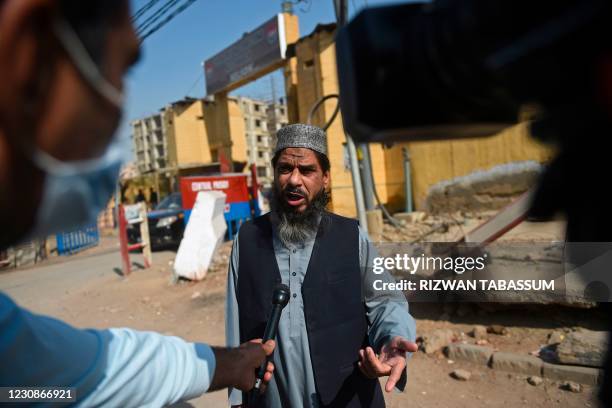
[323, 160]
[91, 20]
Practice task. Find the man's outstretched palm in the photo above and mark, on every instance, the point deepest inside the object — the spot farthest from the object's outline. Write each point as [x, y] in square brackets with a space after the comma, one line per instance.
[390, 362]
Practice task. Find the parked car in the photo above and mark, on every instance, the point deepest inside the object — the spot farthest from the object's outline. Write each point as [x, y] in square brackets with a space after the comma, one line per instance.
[166, 223]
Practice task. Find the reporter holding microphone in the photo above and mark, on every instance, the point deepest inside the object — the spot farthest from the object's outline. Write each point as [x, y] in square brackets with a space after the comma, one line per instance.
[62, 63]
[336, 336]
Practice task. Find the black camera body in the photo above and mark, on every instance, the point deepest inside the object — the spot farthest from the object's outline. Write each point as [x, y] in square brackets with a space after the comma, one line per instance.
[466, 68]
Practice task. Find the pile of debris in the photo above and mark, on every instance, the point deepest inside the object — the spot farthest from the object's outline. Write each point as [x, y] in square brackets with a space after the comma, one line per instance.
[572, 358]
[483, 190]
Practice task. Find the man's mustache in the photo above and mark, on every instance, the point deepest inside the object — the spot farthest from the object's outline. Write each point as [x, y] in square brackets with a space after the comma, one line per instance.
[295, 190]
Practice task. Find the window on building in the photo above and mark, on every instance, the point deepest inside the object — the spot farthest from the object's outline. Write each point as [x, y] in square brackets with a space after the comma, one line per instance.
[256, 108]
[260, 154]
[261, 171]
[257, 123]
[282, 111]
[258, 138]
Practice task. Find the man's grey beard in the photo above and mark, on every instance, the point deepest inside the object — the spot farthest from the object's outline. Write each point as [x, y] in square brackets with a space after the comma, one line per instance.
[295, 227]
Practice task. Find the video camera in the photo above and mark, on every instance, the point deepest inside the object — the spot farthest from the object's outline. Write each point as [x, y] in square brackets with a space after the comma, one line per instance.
[467, 68]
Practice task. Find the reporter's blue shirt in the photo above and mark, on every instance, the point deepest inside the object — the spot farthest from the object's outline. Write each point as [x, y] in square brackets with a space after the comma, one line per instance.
[114, 368]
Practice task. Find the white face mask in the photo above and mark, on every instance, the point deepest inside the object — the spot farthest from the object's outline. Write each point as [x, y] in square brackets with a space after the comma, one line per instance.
[75, 192]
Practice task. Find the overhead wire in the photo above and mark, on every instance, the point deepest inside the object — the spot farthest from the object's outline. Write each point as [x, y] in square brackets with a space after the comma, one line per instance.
[197, 81]
[156, 15]
[141, 11]
[169, 18]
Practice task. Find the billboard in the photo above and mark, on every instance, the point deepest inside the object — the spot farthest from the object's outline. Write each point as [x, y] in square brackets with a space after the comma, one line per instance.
[255, 54]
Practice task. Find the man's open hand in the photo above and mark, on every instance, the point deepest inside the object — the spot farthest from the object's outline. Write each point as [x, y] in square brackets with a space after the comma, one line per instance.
[236, 366]
[391, 361]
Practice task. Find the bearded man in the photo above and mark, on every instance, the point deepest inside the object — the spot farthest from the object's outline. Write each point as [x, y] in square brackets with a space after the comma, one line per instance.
[337, 335]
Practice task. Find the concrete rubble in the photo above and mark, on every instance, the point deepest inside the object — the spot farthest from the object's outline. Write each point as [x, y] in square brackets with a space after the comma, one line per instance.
[497, 329]
[483, 190]
[516, 363]
[461, 375]
[479, 332]
[529, 365]
[437, 340]
[468, 352]
[583, 347]
[535, 380]
[571, 386]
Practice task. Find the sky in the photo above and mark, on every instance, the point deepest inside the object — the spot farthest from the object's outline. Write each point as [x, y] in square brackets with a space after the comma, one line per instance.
[171, 64]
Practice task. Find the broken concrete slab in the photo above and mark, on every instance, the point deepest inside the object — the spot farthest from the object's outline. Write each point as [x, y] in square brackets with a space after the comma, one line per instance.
[483, 190]
[516, 363]
[583, 375]
[469, 352]
[583, 347]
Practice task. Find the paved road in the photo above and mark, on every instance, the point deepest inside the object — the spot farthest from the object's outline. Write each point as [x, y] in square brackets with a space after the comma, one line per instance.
[40, 287]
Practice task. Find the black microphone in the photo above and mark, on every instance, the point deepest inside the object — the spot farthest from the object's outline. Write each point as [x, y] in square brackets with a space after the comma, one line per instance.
[280, 298]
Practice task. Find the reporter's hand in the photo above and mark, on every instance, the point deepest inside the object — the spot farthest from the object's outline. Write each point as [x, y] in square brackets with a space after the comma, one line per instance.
[236, 367]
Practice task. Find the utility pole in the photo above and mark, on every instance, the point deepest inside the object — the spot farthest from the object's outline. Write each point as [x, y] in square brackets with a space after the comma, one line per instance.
[273, 122]
[341, 10]
[366, 175]
[273, 86]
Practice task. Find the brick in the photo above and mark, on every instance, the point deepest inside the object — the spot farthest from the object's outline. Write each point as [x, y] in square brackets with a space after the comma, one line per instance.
[516, 363]
[583, 375]
[469, 352]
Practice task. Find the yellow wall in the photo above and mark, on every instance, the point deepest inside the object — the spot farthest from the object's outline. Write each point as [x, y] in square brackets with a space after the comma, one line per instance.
[224, 124]
[190, 135]
[237, 132]
[292, 35]
[431, 162]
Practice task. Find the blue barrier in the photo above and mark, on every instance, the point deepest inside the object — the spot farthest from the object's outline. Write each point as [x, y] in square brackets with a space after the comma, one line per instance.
[238, 213]
[235, 215]
[71, 242]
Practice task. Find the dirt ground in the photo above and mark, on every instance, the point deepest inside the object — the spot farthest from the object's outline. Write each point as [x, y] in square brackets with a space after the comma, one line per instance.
[87, 290]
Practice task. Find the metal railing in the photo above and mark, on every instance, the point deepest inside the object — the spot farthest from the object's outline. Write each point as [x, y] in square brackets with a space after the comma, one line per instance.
[71, 242]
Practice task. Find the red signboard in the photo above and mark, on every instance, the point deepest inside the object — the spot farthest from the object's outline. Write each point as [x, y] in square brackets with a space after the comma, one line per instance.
[233, 185]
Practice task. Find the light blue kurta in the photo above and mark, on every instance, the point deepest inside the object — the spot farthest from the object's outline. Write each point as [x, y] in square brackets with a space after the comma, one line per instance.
[293, 384]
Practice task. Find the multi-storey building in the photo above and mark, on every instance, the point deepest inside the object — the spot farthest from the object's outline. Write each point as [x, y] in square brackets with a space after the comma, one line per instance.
[277, 117]
[262, 119]
[185, 134]
[150, 144]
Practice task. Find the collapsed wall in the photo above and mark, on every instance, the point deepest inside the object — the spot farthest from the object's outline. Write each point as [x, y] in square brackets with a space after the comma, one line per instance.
[483, 190]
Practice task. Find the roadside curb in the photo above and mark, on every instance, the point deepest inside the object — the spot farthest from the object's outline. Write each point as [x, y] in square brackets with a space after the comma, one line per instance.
[523, 364]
